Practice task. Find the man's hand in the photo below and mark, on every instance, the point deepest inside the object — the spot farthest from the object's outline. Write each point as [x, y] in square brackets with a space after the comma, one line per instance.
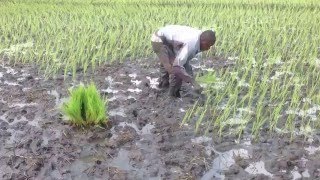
[168, 67]
[197, 88]
[182, 74]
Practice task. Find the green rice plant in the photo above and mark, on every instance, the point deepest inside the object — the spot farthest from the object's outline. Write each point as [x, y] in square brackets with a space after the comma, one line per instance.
[207, 79]
[189, 113]
[85, 107]
[270, 42]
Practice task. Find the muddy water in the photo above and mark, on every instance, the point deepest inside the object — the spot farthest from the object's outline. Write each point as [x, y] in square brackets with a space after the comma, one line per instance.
[223, 162]
[146, 140]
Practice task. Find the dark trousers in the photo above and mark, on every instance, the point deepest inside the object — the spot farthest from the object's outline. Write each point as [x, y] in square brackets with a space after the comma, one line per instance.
[166, 55]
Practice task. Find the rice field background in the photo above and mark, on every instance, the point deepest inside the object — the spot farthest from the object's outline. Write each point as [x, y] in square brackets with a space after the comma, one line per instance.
[259, 120]
[274, 44]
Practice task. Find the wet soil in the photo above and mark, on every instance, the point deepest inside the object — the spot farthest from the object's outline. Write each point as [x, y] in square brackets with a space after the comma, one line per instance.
[146, 140]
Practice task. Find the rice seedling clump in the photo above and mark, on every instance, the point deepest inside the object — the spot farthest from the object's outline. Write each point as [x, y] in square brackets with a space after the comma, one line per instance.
[85, 107]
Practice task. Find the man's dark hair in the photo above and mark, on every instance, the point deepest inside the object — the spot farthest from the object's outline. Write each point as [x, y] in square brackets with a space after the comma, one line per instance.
[208, 35]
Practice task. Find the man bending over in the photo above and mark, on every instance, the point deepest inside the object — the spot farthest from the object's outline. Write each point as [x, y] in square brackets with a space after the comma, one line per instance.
[175, 46]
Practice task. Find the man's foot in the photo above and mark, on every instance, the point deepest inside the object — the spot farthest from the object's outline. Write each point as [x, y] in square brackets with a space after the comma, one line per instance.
[163, 84]
[174, 92]
[178, 95]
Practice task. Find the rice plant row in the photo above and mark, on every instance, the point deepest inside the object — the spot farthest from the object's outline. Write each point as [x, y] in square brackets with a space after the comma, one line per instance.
[274, 44]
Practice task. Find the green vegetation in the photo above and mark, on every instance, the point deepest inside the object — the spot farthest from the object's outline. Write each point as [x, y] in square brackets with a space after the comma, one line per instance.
[85, 107]
[274, 43]
[206, 79]
[275, 83]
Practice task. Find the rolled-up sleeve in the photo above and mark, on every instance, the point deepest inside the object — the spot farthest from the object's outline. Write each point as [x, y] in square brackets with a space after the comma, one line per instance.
[183, 55]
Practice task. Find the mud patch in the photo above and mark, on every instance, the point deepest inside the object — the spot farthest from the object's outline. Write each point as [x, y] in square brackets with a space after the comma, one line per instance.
[146, 141]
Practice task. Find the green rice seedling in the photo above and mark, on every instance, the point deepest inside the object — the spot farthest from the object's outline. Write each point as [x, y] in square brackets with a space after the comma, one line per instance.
[202, 116]
[85, 107]
[199, 121]
[189, 113]
[207, 79]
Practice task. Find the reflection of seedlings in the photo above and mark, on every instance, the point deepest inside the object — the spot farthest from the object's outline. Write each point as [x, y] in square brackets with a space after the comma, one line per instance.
[235, 121]
[23, 77]
[306, 130]
[311, 112]
[223, 106]
[153, 82]
[85, 107]
[207, 69]
[242, 83]
[10, 70]
[11, 83]
[245, 110]
[133, 75]
[122, 97]
[136, 82]
[109, 80]
[17, 48]
[233, 58]
[21, 105]
[109, 90]
[247, 141]
[219, 85]
[136, 90]
[308, 100]
[273, 61]
[239, 119]
[316, 62]
[234, 75]
[279, 74]
[26, 89]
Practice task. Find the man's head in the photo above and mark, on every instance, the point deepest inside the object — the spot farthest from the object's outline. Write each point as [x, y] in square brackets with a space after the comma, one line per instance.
[207, 39]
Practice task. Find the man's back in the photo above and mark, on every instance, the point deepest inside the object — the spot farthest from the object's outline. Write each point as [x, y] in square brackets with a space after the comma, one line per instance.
[175, 45]
[184, 41]
[179, 33]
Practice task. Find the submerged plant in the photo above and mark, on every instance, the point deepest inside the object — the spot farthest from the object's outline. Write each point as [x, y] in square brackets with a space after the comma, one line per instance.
[207, 79]
[85, 107]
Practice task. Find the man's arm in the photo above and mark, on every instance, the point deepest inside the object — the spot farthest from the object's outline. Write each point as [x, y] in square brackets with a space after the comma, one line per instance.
[182, 56]
[180, 61]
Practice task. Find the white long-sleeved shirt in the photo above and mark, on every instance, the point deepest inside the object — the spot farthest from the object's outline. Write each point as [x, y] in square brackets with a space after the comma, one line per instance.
[185, 41]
